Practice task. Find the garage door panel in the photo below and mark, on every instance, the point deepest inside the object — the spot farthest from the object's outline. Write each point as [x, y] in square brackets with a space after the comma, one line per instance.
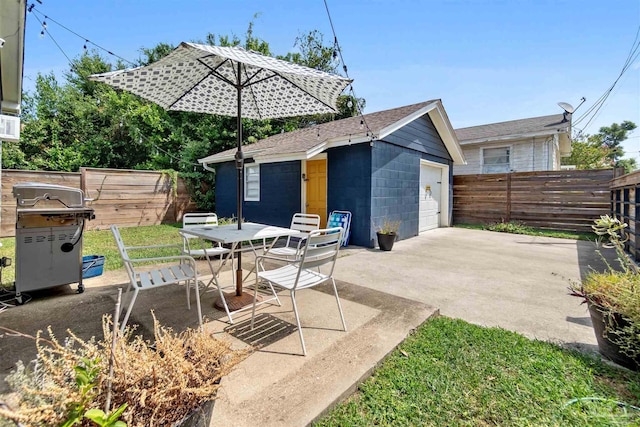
[430, 191]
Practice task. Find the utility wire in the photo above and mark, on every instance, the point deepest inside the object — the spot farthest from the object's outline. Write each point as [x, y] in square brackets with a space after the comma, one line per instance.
[346, 72]
[594, 110]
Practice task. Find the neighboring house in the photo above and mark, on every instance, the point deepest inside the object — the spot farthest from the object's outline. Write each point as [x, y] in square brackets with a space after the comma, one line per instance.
[395, 164]
[526, 145]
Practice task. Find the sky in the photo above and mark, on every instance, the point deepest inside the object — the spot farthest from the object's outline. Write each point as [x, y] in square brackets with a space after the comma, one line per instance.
[487, 60]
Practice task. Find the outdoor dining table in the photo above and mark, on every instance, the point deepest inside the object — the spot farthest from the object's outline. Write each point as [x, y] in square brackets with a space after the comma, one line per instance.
[230, 235]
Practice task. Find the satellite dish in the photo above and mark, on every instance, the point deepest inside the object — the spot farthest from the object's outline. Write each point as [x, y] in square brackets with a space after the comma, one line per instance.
[568, 108]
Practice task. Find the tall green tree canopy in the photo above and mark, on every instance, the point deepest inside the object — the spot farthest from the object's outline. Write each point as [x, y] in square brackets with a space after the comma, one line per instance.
[78, 122]
[603, 149]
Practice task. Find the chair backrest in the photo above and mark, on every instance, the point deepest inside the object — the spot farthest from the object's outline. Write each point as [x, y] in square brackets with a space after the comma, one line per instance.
[321, 248]
[305, 223]
[341, 219]
[123, 253]
[197, 219]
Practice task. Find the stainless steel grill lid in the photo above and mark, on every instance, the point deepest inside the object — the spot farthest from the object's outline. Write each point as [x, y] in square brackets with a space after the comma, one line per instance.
[28, 194]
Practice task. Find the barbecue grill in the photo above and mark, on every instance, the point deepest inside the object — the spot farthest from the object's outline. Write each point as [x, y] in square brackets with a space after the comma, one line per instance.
[50, 220]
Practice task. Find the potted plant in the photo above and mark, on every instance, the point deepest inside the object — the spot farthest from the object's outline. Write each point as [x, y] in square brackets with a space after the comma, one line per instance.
[120, 382]
[387, 234]
[613, 297]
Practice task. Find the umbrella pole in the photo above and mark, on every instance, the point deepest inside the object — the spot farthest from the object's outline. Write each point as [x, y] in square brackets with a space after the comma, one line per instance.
[240, 168]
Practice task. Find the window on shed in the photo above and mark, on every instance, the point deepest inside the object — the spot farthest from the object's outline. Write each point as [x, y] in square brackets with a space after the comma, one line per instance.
[496, 160]
[252, 183]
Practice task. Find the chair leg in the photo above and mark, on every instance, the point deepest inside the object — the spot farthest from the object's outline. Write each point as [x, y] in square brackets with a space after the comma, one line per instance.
[275, 294]
[188, 285]
[195, 280]
[255, 300]
[295, 311]
[126, 316]
[224, 301]
[335, 290]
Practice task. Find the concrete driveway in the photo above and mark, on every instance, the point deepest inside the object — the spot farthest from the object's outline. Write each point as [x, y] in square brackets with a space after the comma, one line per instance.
[494, 279]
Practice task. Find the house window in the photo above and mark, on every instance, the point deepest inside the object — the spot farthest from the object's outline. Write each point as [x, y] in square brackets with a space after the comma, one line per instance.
[496, 160]
[252, 183]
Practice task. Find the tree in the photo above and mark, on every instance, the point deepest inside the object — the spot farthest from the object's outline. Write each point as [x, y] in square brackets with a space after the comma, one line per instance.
[602, 150]
[79, 122]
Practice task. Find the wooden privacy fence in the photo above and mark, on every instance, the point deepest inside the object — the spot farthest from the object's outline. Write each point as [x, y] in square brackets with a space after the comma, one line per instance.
[124, 197]
[625, 203]
[559, 200]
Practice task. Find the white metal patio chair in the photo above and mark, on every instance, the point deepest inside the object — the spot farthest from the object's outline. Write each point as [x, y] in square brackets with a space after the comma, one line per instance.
[305, 223]
[320, 250]
[200, 219]
[182, 271]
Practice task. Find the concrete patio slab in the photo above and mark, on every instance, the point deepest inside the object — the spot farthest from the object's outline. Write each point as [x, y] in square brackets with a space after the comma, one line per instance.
[494, 279]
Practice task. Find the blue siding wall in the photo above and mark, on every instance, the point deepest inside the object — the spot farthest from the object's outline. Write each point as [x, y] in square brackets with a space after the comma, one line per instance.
[395, 186]
[349, 188]
[396, 174]
[279, 193]
[421, 135]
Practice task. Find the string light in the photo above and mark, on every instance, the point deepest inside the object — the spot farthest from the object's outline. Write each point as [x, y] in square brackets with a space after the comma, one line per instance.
[32, 8]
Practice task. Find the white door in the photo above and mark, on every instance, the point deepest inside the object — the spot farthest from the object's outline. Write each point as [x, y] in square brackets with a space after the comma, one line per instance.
[430, 191]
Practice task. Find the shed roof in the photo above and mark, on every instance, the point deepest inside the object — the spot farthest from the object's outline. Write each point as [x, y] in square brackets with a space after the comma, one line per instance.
[307, 142]
[544, 125]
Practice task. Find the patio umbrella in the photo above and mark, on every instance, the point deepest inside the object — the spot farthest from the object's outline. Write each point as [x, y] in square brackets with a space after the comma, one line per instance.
[231, 81]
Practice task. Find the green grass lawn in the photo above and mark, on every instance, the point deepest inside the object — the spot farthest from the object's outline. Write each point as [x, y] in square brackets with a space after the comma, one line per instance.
[452, 373]
[517, 228]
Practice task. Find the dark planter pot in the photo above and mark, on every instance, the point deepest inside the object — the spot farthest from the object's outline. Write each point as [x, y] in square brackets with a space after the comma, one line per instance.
[385, 241]
[606, 338]
[199, 417]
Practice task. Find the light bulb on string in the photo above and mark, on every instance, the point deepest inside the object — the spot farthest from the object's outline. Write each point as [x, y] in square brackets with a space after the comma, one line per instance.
[42, 34]
[361, 123]
[85, 45]
[44, 25]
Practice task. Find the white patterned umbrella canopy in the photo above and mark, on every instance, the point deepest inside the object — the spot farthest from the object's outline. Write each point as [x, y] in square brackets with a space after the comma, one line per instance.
[204, 79]
[231, 81]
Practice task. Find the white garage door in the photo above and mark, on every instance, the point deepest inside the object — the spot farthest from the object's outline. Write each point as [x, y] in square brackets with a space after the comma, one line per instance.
[430, 188]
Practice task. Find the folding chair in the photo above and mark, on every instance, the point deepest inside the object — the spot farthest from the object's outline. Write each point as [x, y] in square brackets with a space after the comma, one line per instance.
[305, 223]
[341, 219]
[320, 250]
[184, 271]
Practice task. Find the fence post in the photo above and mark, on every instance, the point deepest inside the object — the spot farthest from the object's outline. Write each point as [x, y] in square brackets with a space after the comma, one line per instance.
[83, 181]
[508, 197]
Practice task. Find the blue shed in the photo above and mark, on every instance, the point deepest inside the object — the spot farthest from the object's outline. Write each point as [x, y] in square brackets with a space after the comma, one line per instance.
[395, 164]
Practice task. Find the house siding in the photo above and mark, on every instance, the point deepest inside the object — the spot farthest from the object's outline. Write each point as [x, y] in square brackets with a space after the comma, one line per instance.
[395, 184]
[349, 188]
[280, 194]
[527, 155]
[421, 135]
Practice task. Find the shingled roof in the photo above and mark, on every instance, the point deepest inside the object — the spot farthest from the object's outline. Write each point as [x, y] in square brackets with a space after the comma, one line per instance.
[304, 143]
[515, 128]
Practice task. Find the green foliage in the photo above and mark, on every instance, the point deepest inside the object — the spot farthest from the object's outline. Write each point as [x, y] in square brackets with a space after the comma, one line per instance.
[530, 231]
[388, 226]
[514, 227]
[87, 380]
[77, 122]
[615, 291]
[587, 153]
[602, 150]
[452, 373]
